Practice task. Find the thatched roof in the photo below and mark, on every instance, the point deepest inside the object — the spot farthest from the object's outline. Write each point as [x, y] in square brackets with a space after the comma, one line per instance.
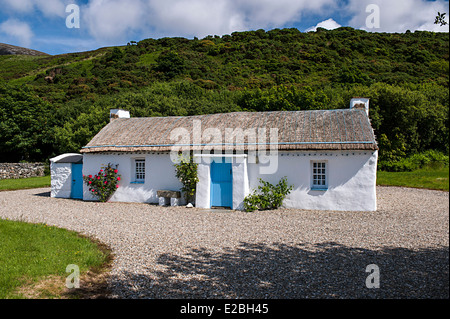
[347, 129]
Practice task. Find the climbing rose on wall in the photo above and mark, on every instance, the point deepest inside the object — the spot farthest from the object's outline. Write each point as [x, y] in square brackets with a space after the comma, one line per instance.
[104, 184]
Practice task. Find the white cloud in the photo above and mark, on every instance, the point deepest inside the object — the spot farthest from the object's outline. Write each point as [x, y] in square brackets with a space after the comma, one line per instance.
[114, 19]
[51, 7]
[18, 31]
[203, 17]
[194, 17]
[17, 5]
[109, 20]
[112, 22]
[398, 15]
[328, 24]
[48, 8]
[269, 13]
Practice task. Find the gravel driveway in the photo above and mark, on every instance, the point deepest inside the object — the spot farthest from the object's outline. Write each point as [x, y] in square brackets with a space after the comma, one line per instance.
[178, 252]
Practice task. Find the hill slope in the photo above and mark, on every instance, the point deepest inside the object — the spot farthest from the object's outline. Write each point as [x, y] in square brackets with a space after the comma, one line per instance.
[404, 75]
[8, 49]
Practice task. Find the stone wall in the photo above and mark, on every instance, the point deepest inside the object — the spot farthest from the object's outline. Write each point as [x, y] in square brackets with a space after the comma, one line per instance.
[21, 170]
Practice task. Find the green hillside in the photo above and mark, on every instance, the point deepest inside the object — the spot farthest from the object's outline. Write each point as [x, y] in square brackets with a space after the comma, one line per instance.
[55, 104]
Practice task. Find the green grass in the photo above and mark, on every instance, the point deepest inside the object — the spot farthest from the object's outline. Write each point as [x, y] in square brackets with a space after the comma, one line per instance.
[14, 66]
[422, 178]
[24, 183]
[148, 59]
[30, 253]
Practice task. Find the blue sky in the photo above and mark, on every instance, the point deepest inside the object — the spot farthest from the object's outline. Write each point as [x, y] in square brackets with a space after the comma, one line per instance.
[41, 24]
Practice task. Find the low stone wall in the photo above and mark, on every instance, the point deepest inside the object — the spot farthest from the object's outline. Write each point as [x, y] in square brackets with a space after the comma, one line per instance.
[21, 170]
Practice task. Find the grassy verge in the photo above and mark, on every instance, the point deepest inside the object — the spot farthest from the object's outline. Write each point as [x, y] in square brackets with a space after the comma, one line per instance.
[24, 183]
[437, 178]
[34, 257]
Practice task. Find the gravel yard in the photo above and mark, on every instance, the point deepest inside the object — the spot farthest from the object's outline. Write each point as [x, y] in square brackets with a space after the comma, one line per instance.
[178, 252]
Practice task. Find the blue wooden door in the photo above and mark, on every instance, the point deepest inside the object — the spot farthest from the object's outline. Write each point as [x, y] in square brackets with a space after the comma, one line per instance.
[221, 185]
[77, 181]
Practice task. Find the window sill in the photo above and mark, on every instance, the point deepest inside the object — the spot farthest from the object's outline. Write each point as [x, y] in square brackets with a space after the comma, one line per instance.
[319, 189]
[137, 182]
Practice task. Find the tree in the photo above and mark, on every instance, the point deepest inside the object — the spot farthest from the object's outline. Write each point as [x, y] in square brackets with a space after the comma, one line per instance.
[77, 132]
[171, 64]
[26, 126]
[440, 19]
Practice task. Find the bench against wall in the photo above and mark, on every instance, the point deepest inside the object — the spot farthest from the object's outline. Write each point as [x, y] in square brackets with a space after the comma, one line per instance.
[167, 197]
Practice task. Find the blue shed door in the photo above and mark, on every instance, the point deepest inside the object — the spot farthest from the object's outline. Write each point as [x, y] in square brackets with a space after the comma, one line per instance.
[221, 185]
[77, 181]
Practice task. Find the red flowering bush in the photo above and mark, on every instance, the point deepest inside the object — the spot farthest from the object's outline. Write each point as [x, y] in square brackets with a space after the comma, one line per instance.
[104, 184]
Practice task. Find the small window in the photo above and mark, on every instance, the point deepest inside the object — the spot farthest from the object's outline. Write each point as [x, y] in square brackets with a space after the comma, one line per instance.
[139, 170]
[319, 175]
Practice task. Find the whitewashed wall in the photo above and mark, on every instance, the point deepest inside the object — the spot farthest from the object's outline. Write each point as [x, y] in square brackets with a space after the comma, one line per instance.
[159, 175]
[203, 191]
[351, 180]
[61, 179]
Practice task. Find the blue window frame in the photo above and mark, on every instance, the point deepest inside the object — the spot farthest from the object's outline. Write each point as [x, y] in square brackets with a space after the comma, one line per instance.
[139, 171]
[319, 172]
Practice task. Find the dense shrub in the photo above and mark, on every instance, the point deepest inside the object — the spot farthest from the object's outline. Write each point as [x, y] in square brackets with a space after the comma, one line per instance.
[186, 172]
[267, 196]
[429, 158]
[170, 63]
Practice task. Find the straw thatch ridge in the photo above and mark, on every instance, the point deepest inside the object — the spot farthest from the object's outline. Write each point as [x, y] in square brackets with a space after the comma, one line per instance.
[347, 129]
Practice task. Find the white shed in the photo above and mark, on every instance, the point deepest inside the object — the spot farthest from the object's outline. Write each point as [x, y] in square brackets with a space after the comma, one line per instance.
[66, 176]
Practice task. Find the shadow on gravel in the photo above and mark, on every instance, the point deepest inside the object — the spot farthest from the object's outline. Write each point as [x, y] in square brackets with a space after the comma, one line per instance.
[44, 194]
[326, 270]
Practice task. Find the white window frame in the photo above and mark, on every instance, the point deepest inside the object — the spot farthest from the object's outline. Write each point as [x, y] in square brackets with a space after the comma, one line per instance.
[319, 175]
[139, 170]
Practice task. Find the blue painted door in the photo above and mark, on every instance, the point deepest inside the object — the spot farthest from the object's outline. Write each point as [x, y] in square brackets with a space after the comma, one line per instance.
[77, 181]
[221, 185]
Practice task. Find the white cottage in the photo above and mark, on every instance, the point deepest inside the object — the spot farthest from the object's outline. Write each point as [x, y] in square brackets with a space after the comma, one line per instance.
[330, 156]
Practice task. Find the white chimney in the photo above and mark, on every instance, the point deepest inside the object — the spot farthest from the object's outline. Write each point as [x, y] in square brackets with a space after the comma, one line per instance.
[360, 103]
[118, 114]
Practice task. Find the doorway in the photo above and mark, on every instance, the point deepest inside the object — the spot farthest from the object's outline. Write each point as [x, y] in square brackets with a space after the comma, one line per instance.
[77, 181]
[221, 184]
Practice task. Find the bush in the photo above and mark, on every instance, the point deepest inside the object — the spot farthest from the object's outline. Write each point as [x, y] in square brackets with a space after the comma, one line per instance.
[267, 196]
[186, 172]
[104, 184]
[171, 64]
[416, 161]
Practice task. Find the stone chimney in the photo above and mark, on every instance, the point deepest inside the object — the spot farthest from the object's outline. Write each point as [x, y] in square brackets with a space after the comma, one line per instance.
[360, 103]
[118, 114]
